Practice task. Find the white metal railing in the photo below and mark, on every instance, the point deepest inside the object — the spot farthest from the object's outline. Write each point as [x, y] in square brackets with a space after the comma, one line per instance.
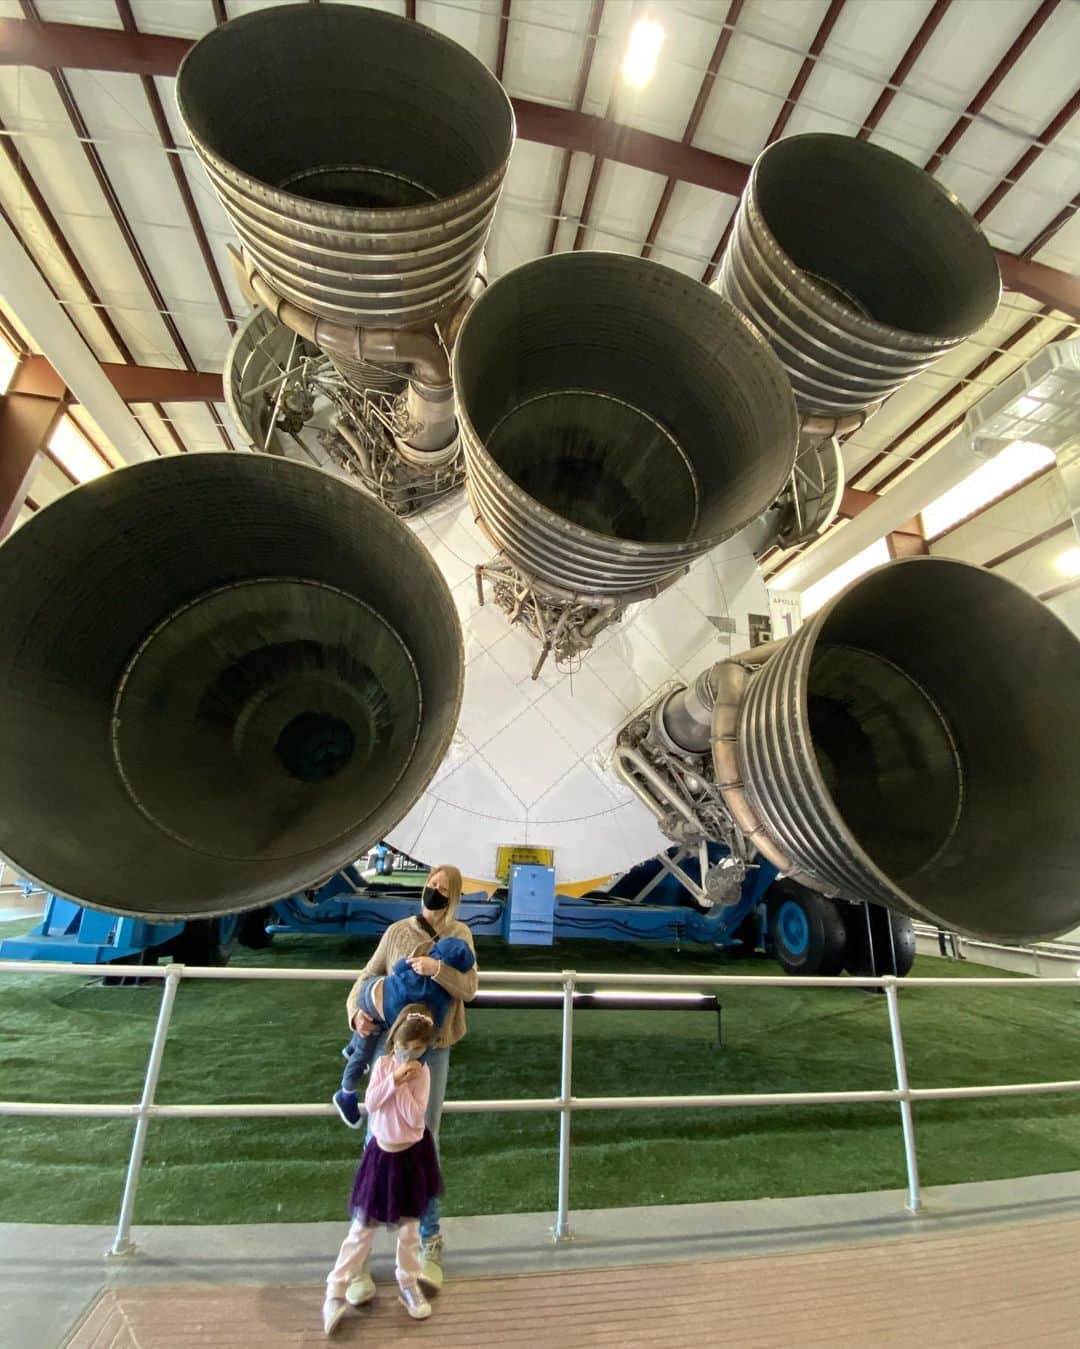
[903, 1094]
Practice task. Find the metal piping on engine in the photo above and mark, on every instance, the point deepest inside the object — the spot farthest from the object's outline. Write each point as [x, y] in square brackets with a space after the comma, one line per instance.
[882, 754]
[362, 224]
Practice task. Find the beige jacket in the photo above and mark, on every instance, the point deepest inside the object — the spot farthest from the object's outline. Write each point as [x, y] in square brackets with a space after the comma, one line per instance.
[405, 939]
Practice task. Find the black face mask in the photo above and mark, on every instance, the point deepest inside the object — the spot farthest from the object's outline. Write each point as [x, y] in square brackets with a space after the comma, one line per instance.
[433, 900]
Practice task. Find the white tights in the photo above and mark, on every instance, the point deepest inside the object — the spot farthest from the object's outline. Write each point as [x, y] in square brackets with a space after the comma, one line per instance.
[356, 1248]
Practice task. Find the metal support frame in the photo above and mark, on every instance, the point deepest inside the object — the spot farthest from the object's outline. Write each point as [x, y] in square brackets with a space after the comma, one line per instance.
[907, 1122]
[122, 1242]
[566, 1103]
[561, 1230]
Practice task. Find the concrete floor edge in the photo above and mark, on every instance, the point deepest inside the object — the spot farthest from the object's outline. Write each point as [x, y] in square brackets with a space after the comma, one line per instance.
[47, 1283]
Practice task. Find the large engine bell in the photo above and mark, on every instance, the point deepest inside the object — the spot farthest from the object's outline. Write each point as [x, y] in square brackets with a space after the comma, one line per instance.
[225, 676]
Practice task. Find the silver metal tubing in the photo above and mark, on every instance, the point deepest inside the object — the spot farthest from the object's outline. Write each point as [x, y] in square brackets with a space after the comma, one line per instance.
[618, 420]
[562, 1211]
[122, 1243]
[370, 201]
[859, 269]
[907, 1123]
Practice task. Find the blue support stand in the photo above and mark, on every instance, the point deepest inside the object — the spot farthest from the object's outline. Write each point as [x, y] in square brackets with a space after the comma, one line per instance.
[530, 906]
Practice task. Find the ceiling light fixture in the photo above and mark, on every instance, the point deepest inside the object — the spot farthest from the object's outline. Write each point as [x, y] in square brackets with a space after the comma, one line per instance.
[1068, 563]
[639, 63]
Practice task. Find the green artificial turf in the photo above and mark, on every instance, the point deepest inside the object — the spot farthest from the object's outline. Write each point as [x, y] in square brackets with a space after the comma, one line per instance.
[62, 1039]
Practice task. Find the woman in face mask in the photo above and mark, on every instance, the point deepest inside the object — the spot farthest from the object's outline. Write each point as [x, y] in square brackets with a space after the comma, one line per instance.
[412, 939]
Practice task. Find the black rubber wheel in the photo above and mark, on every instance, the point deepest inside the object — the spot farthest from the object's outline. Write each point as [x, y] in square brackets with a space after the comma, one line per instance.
[252, 931]
[806, 930]
[749, 934]
[207, 941]
[895, 956]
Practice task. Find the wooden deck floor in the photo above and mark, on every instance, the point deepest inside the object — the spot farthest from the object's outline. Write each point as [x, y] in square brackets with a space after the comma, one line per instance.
[1003, 1285]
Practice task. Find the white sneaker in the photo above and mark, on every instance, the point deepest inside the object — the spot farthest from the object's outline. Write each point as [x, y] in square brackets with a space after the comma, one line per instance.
[414, 1302]
[333, 1309]
[361, 1289]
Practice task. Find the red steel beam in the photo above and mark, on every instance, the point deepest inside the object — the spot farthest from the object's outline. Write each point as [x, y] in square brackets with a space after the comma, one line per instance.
[731, 18]
[1048, 231]
[591, 186]
[59, 242]
[825, 27]
[504, 33]
[75, 46]
[596, 14]
[134, 383]
[26, 423]
[1017, 549]
[1015, 51]
[97, 166]
[915, 49]
[1030, 155]
[1057, 290]
[53, 228]
[83, 47]
[127, 18]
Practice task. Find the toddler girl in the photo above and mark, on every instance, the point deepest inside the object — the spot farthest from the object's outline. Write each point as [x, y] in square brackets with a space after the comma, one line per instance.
[399, 1170]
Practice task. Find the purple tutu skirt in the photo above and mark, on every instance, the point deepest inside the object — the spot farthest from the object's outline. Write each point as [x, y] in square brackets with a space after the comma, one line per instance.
[391, 1186]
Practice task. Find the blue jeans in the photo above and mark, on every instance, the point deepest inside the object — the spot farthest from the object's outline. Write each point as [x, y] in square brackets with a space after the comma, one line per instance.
[438, 1062]
[361, 1049]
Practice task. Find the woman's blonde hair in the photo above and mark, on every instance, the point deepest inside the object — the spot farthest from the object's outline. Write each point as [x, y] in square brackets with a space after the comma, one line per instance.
[453, 885]
[414, 1025]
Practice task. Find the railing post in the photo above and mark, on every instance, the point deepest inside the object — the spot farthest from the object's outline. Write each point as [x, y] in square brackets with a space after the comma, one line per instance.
[907, 1121]
[122, 1243]
[562, 1214]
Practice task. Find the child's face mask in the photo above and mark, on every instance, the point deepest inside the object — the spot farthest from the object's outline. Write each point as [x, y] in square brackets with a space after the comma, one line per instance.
[403, 1053]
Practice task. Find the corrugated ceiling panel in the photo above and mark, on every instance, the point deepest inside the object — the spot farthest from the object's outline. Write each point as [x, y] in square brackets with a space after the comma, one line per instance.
[1037, 569]
[219, 232]
[474, 25]
[1047, 186]
[664, 105]
[577, 181]
[154, 427]
[117, 113]
[544, 47]
[623, 207]
[190, 18]
[60, 169]
[48, 483]
[695, 219]
[610, 48]
[86, 423]
[195, 424]
[101, 15]
[863, 49]
[761, 62]
[1063, 250]
[1031, 510]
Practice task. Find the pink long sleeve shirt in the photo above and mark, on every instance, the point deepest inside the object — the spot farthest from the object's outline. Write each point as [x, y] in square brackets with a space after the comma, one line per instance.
[396, 1110]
